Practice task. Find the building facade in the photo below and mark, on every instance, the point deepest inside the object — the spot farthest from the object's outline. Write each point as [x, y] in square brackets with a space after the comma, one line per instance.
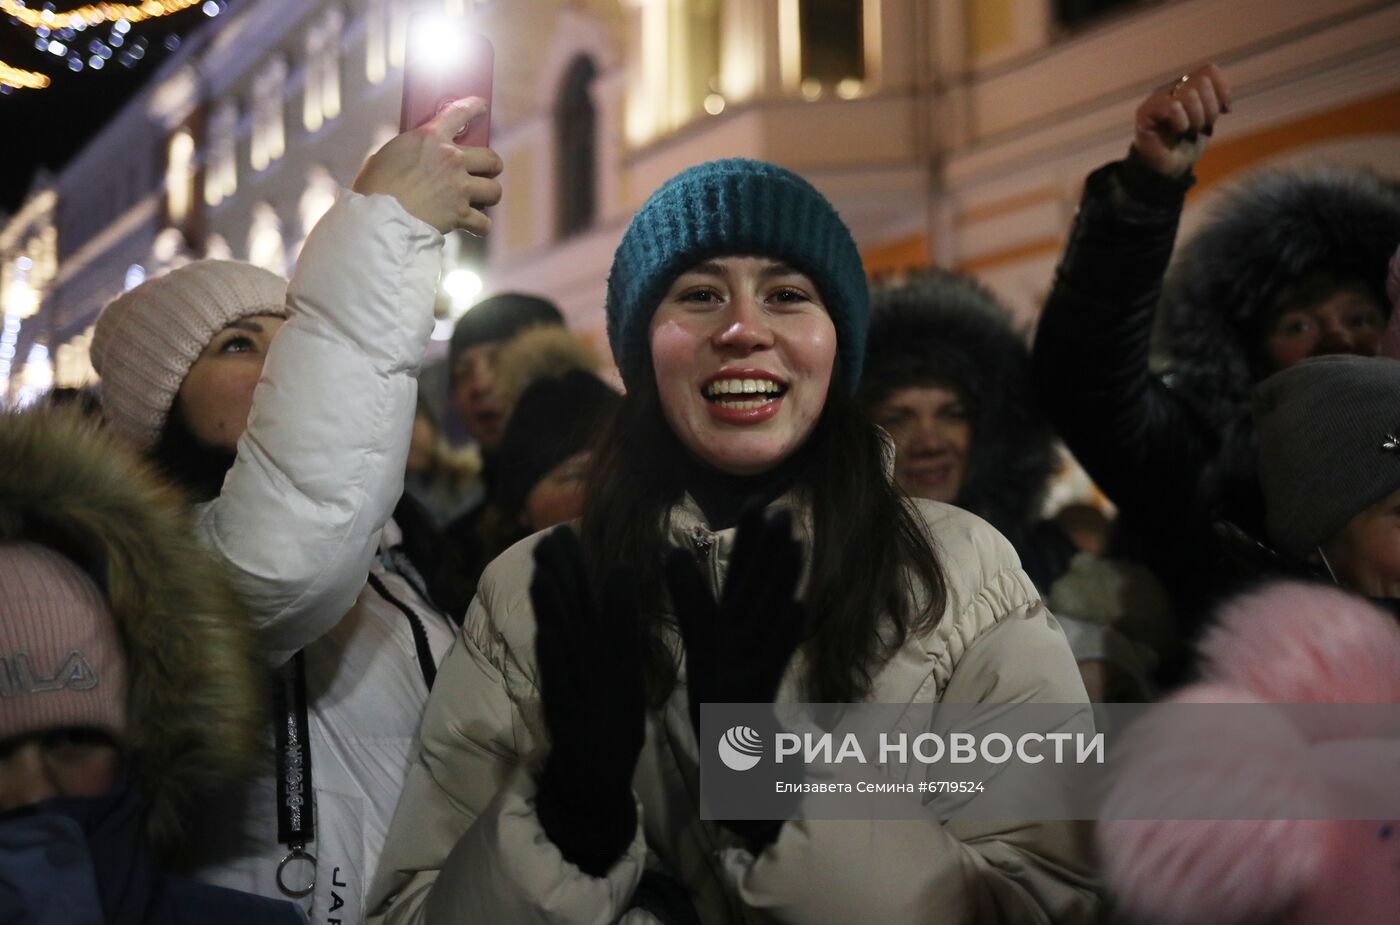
[947, 132]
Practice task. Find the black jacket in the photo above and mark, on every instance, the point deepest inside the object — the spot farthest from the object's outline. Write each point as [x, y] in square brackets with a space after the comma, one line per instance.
[1160, 459]
[1177, 454]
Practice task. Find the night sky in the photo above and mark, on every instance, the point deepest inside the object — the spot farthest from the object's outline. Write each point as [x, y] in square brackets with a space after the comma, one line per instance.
[47, 127]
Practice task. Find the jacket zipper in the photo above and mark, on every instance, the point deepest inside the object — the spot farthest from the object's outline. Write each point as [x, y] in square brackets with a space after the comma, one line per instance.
[704, 543]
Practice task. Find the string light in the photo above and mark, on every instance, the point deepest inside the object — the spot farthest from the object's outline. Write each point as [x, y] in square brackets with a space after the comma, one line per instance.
[94, 14]
[20, 79]
[57, 34]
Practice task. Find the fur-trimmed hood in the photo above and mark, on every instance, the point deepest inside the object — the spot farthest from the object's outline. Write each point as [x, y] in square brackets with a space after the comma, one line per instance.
[196, 710]
[543, 352]
[943, 328]
[1271, 232]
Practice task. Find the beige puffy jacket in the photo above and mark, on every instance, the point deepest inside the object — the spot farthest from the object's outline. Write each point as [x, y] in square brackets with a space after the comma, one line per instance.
[466, 846]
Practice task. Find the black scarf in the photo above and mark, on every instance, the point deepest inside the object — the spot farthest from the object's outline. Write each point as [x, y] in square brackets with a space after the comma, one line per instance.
[723, 497]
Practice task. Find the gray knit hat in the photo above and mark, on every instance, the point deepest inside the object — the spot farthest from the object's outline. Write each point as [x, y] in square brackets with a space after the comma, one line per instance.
[147, 339]
[1329, 445]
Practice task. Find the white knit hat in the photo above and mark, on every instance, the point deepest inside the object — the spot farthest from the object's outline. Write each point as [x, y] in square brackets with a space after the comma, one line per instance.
[147, 339]
[65, 664]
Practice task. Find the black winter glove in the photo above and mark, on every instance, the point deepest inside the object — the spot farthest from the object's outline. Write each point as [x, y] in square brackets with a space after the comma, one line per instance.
[737, 648]
[594, 703]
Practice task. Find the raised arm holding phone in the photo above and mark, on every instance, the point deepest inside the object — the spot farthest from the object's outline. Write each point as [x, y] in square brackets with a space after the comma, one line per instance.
[286, 410]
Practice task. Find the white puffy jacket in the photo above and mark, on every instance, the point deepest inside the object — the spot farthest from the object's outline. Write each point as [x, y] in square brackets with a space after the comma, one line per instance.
[467, 848]
[299, 523]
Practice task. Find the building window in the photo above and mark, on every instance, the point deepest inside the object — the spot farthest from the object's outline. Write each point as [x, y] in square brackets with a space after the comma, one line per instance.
[398, 33]
[179, 175]
[221, 168]
[832, 44]
[318, 197]
[321, 101]
[575, 124]
[169, 250]
[36, 377]
[1077, 12]
[678, 55]
[216, 248]
[269, 135]
[73, 362]
[377, 41]
[265, 247]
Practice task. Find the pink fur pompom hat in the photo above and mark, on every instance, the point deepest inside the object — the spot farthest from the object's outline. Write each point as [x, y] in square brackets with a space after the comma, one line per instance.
[1286, 643]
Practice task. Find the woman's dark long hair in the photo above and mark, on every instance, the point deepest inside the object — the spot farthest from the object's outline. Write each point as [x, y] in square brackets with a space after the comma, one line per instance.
[636, 479]
[196, 467]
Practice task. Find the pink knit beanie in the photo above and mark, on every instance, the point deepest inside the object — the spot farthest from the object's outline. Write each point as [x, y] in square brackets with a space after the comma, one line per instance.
[147, 339]
[61, 661]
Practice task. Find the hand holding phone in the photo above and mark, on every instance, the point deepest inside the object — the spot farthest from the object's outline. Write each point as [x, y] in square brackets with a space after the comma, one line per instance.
[435, 179]
[445, 62]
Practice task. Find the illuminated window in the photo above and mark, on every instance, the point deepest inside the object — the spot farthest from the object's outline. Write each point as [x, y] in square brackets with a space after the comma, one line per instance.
[221, 168]
[37, 376]
[216, 248]
[377, 41]
[321, 101]
[398, 33]
[318, 197]
[265, 247]
[73, 363]
[575, 125]
[382, 136]
[179, 175]
[168, 251]
[833, 43]
[678, 54]
[269, 134]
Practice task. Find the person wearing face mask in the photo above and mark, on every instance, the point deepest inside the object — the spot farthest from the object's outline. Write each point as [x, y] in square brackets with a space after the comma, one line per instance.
[130, 687]
[741, 541]
[285, 410]
[1290, 265]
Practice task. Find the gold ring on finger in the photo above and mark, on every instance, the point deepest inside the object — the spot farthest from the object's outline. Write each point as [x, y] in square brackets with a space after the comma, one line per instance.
[1180, 82]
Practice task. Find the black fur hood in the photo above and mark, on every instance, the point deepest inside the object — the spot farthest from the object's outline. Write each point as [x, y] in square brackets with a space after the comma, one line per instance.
[195, 701]
[1272, 231]
[947, 329]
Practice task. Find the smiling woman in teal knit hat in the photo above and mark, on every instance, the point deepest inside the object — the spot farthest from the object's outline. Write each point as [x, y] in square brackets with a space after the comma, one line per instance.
[741, 542]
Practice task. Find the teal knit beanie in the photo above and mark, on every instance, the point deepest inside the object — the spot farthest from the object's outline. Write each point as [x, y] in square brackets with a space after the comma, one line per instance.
[739, 207]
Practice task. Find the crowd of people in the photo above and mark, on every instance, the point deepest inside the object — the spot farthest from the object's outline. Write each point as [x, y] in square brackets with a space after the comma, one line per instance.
[272, 650]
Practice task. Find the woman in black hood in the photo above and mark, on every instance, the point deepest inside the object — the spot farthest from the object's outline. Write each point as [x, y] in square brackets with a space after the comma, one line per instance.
[948, 378]
[1291, 265]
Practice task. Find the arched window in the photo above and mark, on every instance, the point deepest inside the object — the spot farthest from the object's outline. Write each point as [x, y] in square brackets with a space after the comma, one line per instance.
[318, 197]
[265, 248]
[833, 44]
[575, 126]
[179, 175]
[269, 137]
[377, 40]
[321, 96]
[221, 167]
